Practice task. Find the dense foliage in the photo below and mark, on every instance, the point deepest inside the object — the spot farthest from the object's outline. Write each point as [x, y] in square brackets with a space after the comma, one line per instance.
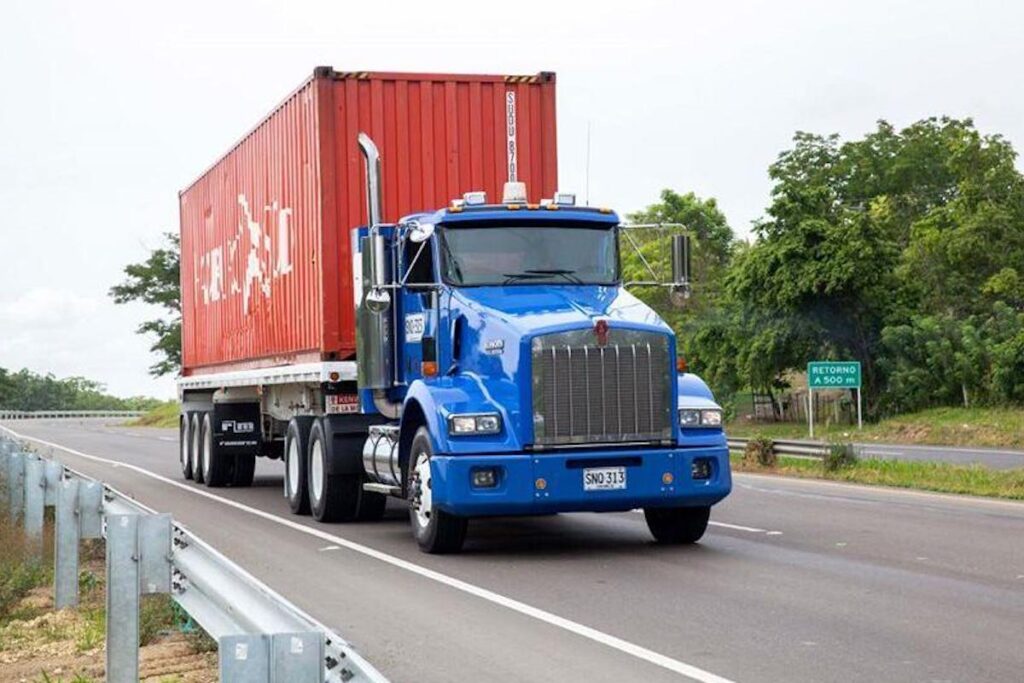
[156, 281]
[25, 390]
[903, 250]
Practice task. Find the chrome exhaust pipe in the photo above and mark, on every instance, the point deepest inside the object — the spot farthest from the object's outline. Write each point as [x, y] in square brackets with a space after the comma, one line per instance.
[377, 299]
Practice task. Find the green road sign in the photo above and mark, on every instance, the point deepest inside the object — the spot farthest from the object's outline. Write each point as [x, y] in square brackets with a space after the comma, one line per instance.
[829, 374]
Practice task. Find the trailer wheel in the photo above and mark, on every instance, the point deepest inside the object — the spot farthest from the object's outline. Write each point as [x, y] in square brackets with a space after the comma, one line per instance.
[296, 446]
[245, 468]
[196, 448]
[435, 530]
[216, 465]
[677, 525]
[184, 445]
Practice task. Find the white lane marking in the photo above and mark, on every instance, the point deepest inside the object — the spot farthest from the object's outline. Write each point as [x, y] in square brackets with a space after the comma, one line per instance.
[638, 651]
[167, 438]
[738, 527]
[872, 451]
[329, 547]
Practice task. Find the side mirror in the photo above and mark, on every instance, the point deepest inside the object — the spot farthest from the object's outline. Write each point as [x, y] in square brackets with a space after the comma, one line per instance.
[420, 232]
[680, 291]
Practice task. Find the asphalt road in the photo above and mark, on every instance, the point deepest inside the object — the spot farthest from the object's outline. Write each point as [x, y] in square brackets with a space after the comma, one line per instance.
[996, 458]
[795, 581]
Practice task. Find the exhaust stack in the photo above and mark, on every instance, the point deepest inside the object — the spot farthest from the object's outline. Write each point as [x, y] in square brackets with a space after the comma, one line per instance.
[375, 341]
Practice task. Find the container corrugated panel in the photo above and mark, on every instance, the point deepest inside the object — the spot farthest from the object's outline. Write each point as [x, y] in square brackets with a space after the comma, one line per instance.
[266, 254]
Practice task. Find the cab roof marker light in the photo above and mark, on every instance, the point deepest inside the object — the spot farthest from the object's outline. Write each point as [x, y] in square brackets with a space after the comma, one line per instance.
[476, 198]
[514, 193]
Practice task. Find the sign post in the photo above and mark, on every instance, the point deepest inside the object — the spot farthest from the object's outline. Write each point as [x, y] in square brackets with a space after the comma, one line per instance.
[829, 374]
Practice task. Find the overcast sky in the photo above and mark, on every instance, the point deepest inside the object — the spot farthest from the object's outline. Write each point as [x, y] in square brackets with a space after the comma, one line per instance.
[108, 109]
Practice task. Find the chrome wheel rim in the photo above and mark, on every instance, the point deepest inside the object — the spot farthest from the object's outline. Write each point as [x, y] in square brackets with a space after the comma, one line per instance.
[316, 469]
[423, 500]
[293, 468]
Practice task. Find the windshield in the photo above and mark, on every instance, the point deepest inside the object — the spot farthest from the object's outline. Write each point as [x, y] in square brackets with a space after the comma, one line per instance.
[503, 255]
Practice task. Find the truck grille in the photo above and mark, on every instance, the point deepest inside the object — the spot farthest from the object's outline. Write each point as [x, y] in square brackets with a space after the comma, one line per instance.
[618, 392]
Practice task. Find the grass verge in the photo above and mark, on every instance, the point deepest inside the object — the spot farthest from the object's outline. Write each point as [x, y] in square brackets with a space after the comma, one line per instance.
[163, 416]
[974, 480]
[985, 427]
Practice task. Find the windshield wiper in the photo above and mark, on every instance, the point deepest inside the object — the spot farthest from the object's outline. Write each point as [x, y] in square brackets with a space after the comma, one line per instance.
[513, 277]
[567, 274]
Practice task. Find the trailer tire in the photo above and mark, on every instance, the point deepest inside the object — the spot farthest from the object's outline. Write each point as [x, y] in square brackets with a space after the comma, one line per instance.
[675, 526]
[185, 445]
[296, 446]
[435, 530]
[216, 465]
[244, 471]
[196, 422]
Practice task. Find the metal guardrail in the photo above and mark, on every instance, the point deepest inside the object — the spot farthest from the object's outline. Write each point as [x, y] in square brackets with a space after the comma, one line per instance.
[261, 637]
[65, 414]
[782, 447]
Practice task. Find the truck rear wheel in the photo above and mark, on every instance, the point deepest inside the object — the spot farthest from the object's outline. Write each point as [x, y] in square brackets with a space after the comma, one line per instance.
[337, 497]
[677, 525]
[196, 446]
[184, 445]
[436, 531]
[296, 446]
[216, 465]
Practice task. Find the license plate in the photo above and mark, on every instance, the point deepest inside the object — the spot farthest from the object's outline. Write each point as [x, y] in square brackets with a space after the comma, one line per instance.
[604, 478]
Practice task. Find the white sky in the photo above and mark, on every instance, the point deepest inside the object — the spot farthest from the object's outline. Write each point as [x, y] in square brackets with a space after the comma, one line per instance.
[108, 109]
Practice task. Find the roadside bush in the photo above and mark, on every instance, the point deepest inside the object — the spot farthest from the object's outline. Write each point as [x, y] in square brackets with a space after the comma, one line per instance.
[760, 451]
[839, 456]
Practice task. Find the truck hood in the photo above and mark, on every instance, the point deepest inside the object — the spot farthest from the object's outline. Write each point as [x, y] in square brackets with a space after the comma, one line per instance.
[536, 309]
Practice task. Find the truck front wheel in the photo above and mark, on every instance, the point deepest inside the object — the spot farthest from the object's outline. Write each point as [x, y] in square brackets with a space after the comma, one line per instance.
[677, 525]
[436, 531]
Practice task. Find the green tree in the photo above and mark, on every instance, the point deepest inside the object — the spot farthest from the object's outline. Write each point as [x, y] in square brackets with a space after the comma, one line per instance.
[876, 249]
[156, 281]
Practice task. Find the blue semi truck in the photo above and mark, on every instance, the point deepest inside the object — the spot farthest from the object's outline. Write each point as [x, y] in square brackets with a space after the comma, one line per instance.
[532, 381]
[502, 368]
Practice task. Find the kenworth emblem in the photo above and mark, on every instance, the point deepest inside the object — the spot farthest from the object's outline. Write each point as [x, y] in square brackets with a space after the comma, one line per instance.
[601, 332]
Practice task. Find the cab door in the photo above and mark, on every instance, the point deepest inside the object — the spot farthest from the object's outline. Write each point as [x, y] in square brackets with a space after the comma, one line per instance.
[417, 324]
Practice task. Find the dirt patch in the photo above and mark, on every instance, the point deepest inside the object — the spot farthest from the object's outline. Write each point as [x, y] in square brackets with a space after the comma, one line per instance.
[39, 644]
[169, 658]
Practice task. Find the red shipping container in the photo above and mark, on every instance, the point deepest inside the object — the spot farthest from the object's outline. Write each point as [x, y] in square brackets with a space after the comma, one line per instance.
[266, 264]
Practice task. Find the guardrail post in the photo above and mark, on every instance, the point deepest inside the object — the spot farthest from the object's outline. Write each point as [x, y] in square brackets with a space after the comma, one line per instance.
[90, 509]
[16, 485]
[122, 599]
[244, 659]
[297, 657]
[65, 575]
[54, 474]
[35, 484]
[155, 553]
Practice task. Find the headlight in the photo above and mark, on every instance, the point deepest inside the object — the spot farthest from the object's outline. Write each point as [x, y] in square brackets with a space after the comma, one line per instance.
[466, 425]
[695, 417]
[689, 418]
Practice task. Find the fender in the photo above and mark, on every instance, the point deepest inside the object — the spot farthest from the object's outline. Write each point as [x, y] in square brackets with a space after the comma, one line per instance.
[691, 385]
[464, 393]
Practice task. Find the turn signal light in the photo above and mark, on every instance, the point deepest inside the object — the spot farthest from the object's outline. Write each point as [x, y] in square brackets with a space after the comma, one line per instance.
[681, 365]
[428, 368]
